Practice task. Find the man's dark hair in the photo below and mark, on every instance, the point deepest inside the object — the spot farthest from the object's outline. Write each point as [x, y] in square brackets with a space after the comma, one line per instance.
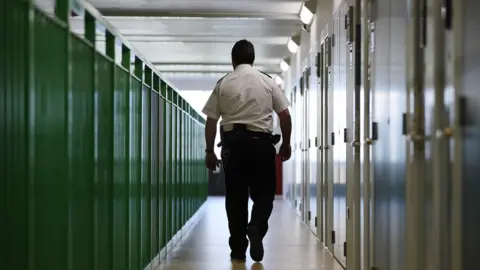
[243, 52]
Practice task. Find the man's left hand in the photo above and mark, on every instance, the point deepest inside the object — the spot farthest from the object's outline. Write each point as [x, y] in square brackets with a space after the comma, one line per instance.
[211, 161]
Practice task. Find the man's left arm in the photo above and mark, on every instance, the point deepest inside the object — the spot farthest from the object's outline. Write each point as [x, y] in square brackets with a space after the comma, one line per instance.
[210, 133]
[212, 110]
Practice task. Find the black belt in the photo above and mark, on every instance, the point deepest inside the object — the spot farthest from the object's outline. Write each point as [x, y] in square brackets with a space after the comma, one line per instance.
[240, 132]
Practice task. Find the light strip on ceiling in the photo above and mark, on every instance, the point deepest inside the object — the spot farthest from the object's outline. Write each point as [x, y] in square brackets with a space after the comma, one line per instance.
[292, 46]
[278, 80]
[284, 66]
[306, 15]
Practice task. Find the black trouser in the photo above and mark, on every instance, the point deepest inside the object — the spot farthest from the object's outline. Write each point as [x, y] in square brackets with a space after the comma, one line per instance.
[249, 166]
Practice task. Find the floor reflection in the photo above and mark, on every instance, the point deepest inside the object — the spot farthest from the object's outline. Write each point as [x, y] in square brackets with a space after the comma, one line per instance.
[289, 244]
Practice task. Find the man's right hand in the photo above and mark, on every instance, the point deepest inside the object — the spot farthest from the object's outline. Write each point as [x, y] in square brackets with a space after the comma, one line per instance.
[285, 152]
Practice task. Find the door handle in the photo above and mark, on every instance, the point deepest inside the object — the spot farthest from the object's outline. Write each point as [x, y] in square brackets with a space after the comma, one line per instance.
[369, 141]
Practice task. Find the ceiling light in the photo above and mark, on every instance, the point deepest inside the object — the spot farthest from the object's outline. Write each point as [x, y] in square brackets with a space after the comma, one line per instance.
[306, 15]
[284, 66]
[292, 46]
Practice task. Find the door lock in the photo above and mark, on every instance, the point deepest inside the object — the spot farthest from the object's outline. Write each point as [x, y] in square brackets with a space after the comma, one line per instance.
[445, 133]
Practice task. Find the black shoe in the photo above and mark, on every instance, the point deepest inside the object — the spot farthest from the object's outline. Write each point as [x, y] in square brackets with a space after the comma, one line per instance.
[238, 258]
[256, 245]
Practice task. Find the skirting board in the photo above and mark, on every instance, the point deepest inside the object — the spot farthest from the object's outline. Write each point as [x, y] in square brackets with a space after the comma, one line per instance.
[278, 197]
[176, 239]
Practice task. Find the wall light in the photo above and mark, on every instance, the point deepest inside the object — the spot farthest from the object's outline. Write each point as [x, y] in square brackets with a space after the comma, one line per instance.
[284, 65]
[292, 46]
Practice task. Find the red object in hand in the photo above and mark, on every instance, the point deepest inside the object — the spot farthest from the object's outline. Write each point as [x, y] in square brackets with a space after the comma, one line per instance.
[278, 161]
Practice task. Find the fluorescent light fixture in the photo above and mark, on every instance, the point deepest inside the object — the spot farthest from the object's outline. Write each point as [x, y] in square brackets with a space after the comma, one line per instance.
[278, 80]
[292, 46]
[284, 66]
[306, 16]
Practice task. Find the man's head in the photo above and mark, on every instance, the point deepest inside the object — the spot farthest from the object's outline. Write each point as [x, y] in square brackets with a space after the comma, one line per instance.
[243, 52]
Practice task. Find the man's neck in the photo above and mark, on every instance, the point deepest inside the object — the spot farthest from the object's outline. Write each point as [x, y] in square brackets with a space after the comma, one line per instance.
[243, 66]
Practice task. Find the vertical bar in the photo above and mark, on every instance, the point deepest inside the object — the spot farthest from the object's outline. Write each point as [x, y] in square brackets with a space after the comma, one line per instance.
[169, 179]
[162, 180]
[120, 79]
[136, 163]
[366, 133]
[146, 167]
[29, 144]
[458, 35]
[105, 144]
[4, 6]
[155, 164]
[414, 183]
[174, 163]
[126, 63]
[81, 147]
[356, 207]
[91, 37]
[441, 234]
[50, 207]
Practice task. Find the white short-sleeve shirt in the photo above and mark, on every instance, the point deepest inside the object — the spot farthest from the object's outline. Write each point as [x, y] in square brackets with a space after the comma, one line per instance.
[246, 96]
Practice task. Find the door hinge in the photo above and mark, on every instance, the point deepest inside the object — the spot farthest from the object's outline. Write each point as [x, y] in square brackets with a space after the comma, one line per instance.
[333, 138]
[424, 22]
[295, 203]
[300, 206]
[309, 143]
[349, 25]
[319, 62]
[302, 89]
[464, 120]
[309, 215]
[333, 237]
[345, 249]
[348, 213]
[307, 77]
[345, 135]
[404, 124]
[448, 13]
[316, 224]
[373, 10]
[375, 131]
[333, 40]
[316, 141]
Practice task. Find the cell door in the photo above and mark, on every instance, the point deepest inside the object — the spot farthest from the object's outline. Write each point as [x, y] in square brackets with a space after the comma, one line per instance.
[298, 149]
[368, 138]
[312, 143]
[305, 206]
[352, 136]
[433, 147]
[319, 144]
[340, 135]
[327, 142]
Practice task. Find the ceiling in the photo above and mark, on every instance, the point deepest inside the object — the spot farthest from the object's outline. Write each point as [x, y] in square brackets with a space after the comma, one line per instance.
[190, 40]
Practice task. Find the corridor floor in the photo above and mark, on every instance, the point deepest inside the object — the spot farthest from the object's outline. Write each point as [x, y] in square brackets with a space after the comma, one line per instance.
[288, 244]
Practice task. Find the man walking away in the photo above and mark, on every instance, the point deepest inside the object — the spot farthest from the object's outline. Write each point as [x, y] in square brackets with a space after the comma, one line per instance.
[246, 99]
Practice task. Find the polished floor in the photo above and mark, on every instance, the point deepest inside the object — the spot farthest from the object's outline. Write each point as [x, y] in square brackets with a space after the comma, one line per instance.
[288, 245]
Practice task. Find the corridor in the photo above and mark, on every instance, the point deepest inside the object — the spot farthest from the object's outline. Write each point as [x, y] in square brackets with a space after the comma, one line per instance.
[288, 245]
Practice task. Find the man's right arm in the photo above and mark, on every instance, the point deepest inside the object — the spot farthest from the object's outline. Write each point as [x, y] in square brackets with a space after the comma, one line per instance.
[280, 106]
[285, 126]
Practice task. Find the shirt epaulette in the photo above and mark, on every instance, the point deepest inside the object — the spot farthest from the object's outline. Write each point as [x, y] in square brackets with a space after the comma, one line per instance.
[264, 74]
[219, 81]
